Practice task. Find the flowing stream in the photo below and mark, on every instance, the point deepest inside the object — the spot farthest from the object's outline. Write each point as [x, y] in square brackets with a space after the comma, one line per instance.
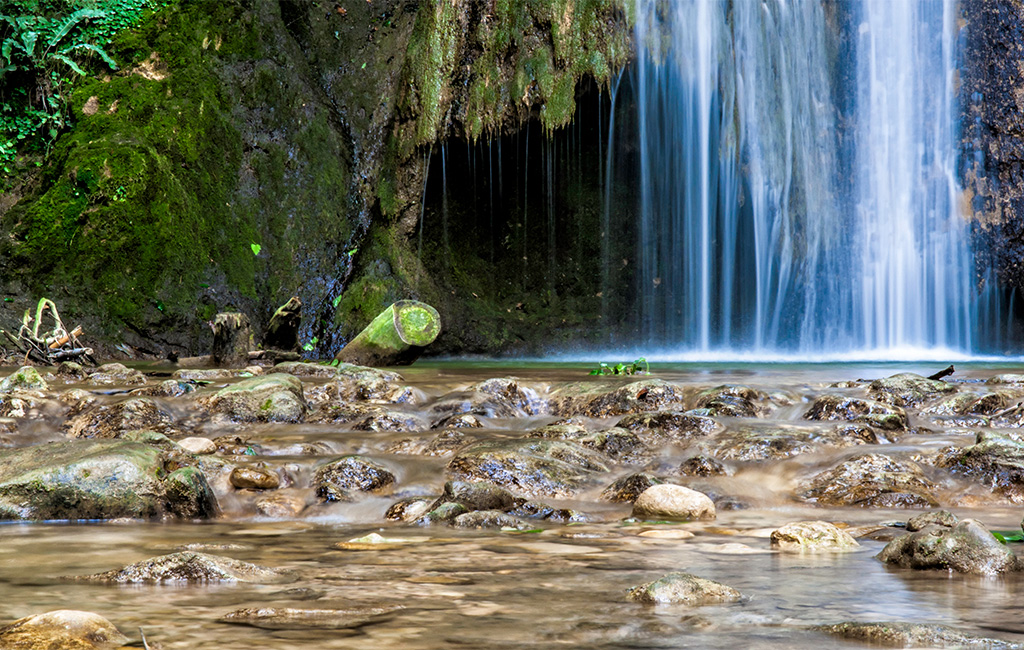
[561, 585]
[798, 189]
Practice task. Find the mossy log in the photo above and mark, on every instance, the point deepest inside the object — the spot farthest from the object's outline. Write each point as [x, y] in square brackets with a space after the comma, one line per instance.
[283, 330]
[231, 339]
[396, 337]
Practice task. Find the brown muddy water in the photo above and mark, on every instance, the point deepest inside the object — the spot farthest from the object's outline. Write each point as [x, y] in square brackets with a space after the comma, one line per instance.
[564, 586]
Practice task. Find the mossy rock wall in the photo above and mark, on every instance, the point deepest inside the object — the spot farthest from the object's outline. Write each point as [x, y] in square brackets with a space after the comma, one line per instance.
[251, 150]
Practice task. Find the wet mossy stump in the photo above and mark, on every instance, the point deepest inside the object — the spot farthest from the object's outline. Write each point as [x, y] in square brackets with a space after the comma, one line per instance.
[396, 337]
[231, 339]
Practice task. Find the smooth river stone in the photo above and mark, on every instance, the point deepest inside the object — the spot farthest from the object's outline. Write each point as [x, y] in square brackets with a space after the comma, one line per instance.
[668, 501]
[198, 445]
[812, 536]
[64, 629]
[284, 618]
[682, 589]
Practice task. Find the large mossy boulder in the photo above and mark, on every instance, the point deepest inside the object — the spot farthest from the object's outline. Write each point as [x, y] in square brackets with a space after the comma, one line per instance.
[555, 468]
[967, 547]
[100, 479]
[872, 481]
[276, 397]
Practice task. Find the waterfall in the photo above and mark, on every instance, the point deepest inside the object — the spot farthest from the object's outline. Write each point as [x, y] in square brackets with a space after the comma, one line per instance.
[798, 192]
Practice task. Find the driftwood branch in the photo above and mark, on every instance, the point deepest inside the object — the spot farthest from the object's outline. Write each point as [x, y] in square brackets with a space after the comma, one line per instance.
[945, 372]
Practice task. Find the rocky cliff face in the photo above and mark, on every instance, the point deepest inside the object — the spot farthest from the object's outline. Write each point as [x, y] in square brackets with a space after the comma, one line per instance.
[252, 150]
[992, 156]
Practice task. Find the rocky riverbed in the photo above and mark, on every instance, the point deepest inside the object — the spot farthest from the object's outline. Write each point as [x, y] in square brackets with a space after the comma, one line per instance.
[307, 505]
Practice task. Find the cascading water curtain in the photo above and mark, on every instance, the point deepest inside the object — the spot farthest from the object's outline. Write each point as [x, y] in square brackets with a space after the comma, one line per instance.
[797, 182]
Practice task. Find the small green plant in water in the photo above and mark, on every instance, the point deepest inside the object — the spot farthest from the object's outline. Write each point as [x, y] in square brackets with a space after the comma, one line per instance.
[1008, 536]
[638, 367]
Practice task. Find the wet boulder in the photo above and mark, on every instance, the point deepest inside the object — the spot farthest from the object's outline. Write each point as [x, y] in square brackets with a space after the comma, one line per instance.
[280, 506]
[24, 378]
[409, 509]
[682, 589]
[167, 388]
[63, 629]
[344, 478]
[669, 426]
[116, 374]
[510, 391]
[702, 466]
[616, 443]
[491, 519]
[628, 488]
[852, 409]
[733, 401]
[911, 635]
[69, 371]
[276, 397]
[812, 536]
[472, 403]
[773, 441]
[942, 518]
[597, 401]
[478, 495]
[1007, 378]
[667, 501]
[99, 479]
[996, 460]
[198, 445]
[458, 421]
[530, 466]
[908, 390]
[388, 420]
[968, 547]
[112, 420]
[872, 481]
[186, 567]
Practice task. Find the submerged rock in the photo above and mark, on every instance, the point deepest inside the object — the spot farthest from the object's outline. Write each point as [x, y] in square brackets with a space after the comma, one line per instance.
[409, 509]
[734, 401]
[667, 501]
[116, 374]
[342, 479]
[872, 480]
[682, 589]
[112, 420]
[510, 391]
[758, 441]
[254, 478]
[286, 618]
[478, 495]
[615, 443]
[912, 635]
[669, 426]
[812, 536]
[63, 629]
[908, 389]
[531, 466]
[491, 519]
[280, 506]
[839, 407]
[187, 566]
[275, 397]
[636, 397]
[702, 466]
[996, 460]
[968, 547]
[99, 479]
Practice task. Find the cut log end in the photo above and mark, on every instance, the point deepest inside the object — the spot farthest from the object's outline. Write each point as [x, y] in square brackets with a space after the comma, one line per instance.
[417, 323]
[396, 337]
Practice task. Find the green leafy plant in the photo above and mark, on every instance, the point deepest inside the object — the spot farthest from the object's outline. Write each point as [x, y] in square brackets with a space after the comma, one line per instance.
[637, 367]
[311, 345]
[1005, 536]
[256, 248]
